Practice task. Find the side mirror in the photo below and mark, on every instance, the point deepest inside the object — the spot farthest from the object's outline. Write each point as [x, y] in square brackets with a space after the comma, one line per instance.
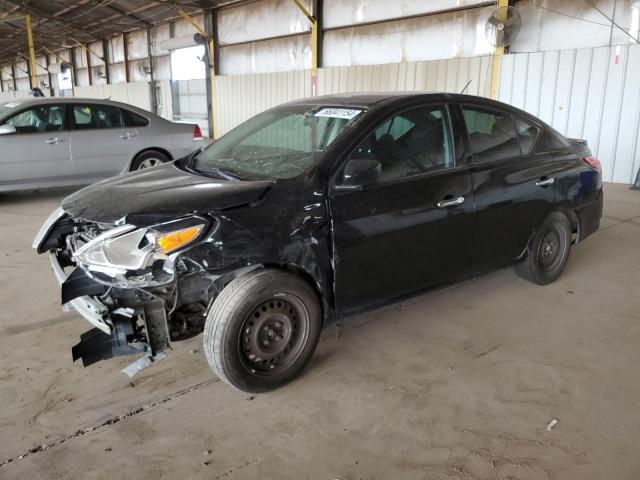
[360, 172]
[7, 129]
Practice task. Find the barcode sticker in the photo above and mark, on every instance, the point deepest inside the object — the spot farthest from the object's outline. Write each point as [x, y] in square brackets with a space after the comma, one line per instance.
[346, 113]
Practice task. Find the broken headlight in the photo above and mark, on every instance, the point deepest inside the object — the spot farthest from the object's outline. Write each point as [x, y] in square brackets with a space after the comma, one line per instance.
[130, 249]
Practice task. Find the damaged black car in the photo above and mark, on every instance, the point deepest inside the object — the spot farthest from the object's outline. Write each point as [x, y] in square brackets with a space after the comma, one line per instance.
[311, 211]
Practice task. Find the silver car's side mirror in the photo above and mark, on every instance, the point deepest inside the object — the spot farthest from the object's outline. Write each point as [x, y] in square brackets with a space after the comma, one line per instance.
[7, 129]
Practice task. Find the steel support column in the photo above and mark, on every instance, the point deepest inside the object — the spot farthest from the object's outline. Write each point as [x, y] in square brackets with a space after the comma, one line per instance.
[74, 70]
[105, 59]
[152, 80]
[87, 56]
[49, 77]
[125, 46]
[33, 80]
[497, 57]
[316, 34]
[13, 77]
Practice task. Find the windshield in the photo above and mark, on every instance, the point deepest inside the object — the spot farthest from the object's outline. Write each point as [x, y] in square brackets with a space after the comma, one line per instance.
[279, 143]
[7, 107]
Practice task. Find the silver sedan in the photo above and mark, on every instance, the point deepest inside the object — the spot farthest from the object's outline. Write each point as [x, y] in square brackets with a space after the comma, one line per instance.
[47, 142]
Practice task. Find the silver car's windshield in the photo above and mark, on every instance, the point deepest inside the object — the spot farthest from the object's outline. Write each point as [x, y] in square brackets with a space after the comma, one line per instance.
[279, 143]
[6, 107]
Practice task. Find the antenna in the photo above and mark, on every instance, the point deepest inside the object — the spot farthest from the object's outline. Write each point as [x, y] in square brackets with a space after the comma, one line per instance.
[466, 86]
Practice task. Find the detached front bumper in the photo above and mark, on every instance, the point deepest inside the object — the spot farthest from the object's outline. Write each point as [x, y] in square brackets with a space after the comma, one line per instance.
[91, 309]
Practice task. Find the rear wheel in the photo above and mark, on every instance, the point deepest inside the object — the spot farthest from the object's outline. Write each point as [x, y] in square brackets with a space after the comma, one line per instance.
[549, 251]
[262, 330]
[148, 159]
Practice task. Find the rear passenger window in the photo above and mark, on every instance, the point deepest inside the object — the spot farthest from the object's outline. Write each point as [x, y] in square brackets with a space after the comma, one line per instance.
[527, 134]
[97, 116]
[133, 119]
[492, 135]
[108, 116]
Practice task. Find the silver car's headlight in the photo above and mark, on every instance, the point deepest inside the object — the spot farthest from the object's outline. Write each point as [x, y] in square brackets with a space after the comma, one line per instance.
[127, 248]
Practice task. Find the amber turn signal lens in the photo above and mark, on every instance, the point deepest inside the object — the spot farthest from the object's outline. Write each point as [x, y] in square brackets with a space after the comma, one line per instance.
[172, 241]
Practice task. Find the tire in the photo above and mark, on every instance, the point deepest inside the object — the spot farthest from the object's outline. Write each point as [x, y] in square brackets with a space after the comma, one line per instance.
[148, 159]
[262, 330]
[549, 251]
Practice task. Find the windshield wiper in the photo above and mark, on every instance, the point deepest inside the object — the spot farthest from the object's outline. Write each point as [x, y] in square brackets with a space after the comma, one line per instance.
[224, 173]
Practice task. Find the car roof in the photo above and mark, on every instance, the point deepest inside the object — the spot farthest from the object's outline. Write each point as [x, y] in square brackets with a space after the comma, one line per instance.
[369, 99]
[32, 101]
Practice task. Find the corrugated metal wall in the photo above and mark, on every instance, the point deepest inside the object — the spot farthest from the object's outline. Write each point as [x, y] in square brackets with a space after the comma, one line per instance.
[242, 96]
[440, 75]
[134, 93]
[589, 93]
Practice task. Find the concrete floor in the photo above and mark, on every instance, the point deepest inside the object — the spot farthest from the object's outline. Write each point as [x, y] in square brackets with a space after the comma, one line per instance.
[457, 383]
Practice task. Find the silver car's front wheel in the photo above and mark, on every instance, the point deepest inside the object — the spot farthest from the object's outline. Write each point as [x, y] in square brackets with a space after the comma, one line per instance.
[148, 163]
[148, 159]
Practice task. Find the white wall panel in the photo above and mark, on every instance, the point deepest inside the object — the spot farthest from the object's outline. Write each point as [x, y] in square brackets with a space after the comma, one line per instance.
[160, 34]
[277, 55]
[162, 68]
[338, 13]
[164, 99]
[7, 96]
[588, 93]
[552, 24]
[135, 93]
[445, 36]
[137, 44]
[183, 28]
[258, 20]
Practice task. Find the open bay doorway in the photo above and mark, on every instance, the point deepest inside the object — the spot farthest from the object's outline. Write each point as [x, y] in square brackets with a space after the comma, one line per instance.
[189, 87]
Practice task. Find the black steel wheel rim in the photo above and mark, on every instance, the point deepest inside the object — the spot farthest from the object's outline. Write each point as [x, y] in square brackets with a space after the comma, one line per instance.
[551, 249]
[274, 334]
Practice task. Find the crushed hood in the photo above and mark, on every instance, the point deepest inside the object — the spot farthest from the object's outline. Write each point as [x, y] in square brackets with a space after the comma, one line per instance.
[160, 193]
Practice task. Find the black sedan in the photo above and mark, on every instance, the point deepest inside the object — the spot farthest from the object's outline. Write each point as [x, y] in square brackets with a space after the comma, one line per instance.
[309, 212]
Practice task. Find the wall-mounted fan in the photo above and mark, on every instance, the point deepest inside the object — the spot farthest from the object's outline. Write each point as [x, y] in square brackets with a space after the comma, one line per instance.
[503, 26]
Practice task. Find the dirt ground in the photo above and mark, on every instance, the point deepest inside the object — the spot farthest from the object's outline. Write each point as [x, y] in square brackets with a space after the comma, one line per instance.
[457, 383]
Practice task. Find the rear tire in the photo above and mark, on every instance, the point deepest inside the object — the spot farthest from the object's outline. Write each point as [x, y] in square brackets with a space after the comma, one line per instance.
[148, 159]
[262, 330]
[549, 251]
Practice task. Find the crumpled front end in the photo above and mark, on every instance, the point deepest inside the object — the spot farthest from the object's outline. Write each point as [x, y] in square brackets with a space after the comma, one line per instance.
[133, 284]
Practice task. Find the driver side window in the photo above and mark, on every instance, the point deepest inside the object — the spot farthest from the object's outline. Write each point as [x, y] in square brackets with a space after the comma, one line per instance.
[410, 143]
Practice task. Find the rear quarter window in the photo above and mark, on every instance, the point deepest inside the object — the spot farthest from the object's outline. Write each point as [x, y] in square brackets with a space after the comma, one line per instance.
[133, 119]
[528, 135]
[552, 141]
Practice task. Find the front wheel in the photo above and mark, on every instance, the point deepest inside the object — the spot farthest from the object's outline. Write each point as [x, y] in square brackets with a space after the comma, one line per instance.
[262, 329]
[549, 251]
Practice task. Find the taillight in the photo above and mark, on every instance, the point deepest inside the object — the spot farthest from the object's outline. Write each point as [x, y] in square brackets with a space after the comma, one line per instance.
[197, 133]
[594, 163]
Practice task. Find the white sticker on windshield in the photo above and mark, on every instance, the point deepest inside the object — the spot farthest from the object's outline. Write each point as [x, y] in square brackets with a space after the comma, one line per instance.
[11, 105]
[332, 112]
